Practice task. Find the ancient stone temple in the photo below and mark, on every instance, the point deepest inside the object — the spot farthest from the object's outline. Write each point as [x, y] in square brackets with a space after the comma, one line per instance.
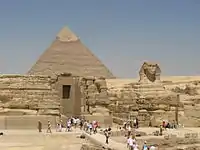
[68, 80]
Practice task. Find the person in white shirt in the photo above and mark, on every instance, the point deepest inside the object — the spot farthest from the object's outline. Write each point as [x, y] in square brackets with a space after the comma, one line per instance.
[135, 147]
[68, 126]
[75, 122]
[135, 123]
[131, 144]
[90, 128]
[128, 141]
[129, 130]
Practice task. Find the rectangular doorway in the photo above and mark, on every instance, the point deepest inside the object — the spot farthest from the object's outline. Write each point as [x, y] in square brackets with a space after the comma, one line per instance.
[66, 91]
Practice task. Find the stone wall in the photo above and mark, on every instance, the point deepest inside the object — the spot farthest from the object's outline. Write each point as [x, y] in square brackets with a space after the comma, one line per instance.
[94, 99]
[150, 102]
[28, 95]
[154, 102]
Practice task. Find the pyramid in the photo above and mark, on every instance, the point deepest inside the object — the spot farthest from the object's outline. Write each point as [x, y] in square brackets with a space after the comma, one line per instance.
[67, 54]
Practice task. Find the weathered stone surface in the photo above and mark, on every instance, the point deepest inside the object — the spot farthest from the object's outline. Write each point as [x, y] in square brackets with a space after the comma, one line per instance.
[26, 95]
[158, 99]
[149, 72]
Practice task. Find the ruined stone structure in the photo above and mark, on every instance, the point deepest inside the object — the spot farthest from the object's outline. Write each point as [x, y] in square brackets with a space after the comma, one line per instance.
[68, 80]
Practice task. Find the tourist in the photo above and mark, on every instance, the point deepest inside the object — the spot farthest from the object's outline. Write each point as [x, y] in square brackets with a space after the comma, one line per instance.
[39, 126]
[152, 147]
[85, 125]
[109, 129]
[164, 124]
[95, 125]
[107, 135]
[129, 130]
[72, 121]
[137, 123]
[134, 140]
[135, 147]
[124, 125]
[57, 127]
[68, 127]
[131, 143]
[174, 124]
[75, 122]
[90, 127]
[61, 122]
[161, 130]
[128, 139]
[60, 127]
[78, 121]
[81, 124]
[49, 127]
[145, 147]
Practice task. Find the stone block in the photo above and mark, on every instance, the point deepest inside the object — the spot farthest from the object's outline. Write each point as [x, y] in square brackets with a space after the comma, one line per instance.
[28, 122]
[90, 82]
[187, 135]
[53, 112]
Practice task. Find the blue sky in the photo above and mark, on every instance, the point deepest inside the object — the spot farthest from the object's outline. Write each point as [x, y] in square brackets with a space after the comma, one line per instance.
[122, 33]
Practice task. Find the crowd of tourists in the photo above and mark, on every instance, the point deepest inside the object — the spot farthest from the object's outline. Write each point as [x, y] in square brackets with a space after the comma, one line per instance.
[130, 127]
[91, 127]
[72, 122]
[132, 142]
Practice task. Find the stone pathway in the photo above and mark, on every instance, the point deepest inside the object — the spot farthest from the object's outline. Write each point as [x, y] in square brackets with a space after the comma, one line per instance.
[100, 139]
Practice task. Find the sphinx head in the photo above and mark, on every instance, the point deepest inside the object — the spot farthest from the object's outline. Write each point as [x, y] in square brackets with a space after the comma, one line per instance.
[150, 71]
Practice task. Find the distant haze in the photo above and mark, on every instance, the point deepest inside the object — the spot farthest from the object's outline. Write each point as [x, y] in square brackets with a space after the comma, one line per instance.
[122, 34]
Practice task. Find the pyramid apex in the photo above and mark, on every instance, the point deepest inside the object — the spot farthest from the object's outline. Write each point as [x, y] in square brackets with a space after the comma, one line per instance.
[66, 35]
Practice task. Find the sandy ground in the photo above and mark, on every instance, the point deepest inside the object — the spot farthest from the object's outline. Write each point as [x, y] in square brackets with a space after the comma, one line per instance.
[32, 140]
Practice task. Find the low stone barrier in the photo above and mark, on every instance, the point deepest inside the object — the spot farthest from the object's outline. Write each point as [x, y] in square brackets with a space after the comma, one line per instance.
[124, 133]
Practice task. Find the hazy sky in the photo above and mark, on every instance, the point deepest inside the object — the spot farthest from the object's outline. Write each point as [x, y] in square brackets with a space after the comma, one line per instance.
[122, 33]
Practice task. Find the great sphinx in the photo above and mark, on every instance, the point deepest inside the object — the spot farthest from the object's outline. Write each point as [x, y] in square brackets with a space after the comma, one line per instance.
[149, 72]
